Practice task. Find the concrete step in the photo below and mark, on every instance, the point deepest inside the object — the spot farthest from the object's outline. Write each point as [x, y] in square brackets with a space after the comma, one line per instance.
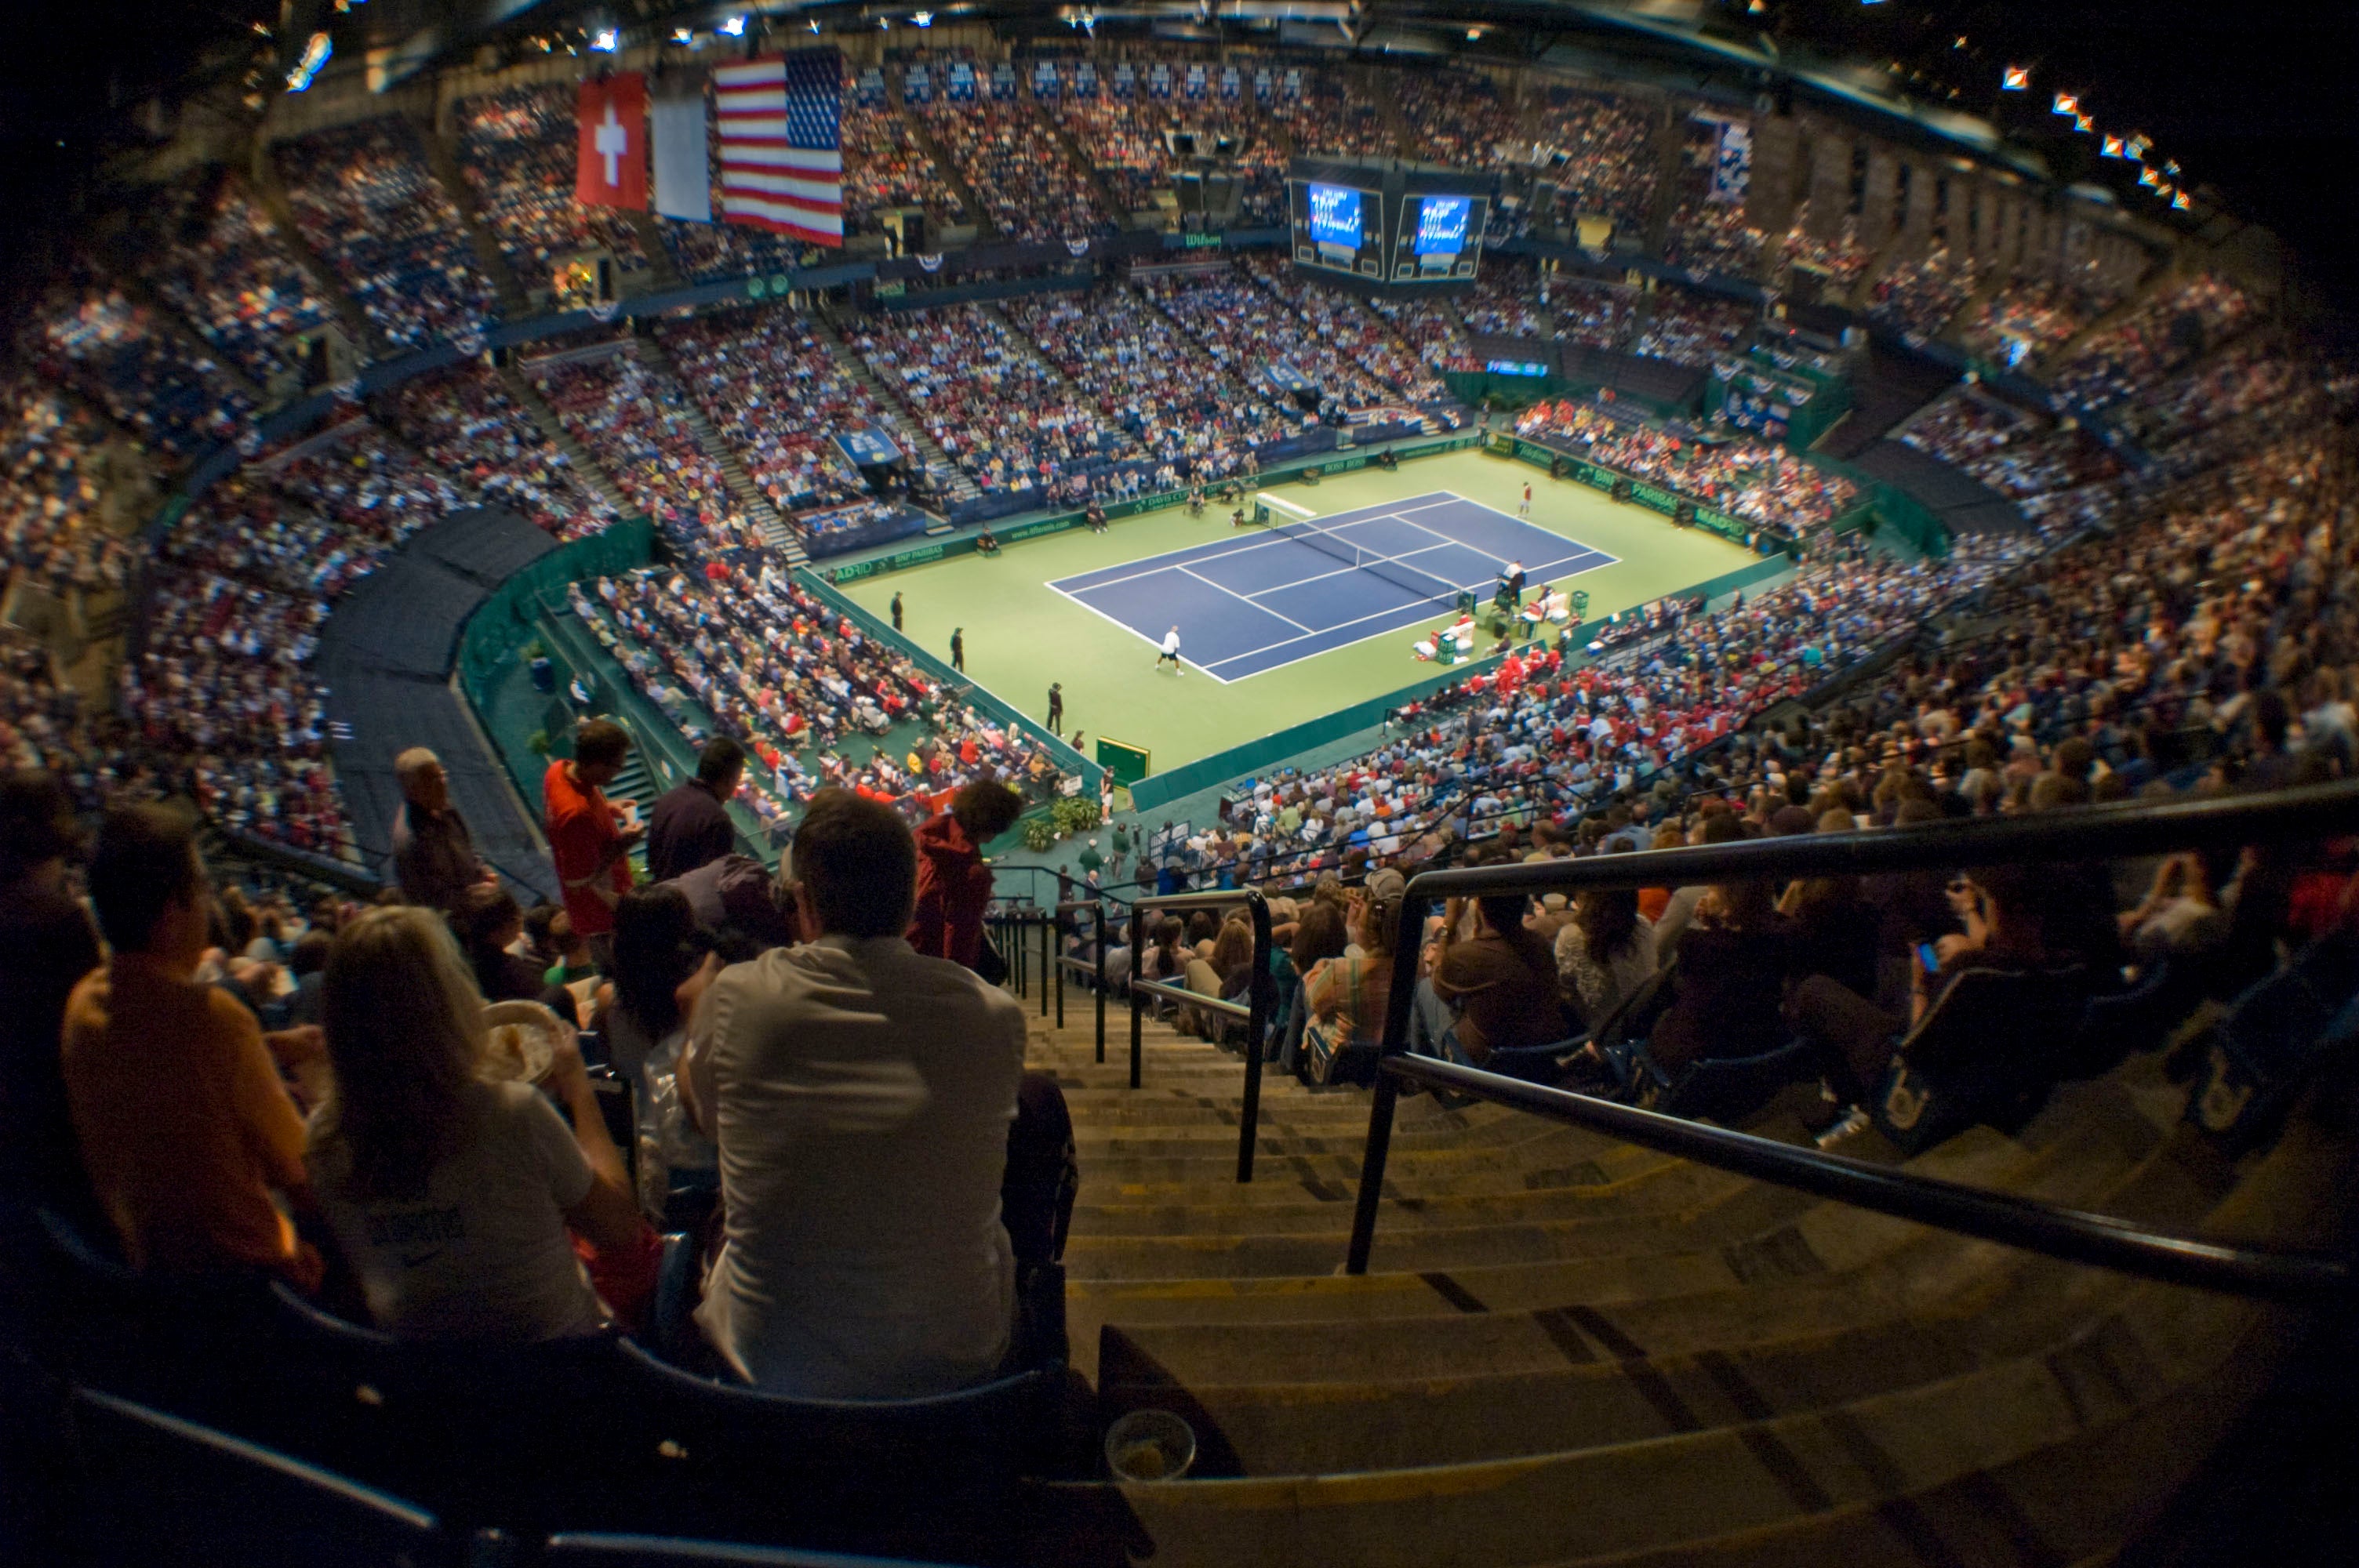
[443, 158]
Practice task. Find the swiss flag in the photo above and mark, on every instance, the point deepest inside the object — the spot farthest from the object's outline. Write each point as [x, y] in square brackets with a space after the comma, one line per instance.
[611, 167]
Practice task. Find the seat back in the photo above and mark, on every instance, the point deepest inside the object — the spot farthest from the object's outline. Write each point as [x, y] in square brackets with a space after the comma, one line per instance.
[158, 1488]
[720, 1448]
[1727, 1087]
[2025, 1017]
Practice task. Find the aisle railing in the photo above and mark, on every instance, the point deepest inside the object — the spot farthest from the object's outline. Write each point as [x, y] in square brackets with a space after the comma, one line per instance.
[1255, 1010]
[2081, 835]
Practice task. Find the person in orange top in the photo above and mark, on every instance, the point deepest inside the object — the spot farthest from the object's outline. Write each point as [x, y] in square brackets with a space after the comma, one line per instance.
[184, 1127]
[590, 847]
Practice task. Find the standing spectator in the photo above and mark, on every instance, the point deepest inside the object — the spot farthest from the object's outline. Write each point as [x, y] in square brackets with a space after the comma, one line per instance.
[591, 848]
[46, 946]
[958, 649]
[184, 1127]
[953, 882]
[452, 1195]
[690, 826]
[433, 853]
[1056, 707]
[897, 612]
[862, 1096]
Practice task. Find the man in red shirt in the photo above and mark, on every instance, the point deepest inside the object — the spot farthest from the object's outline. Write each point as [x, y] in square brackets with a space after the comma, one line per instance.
[589, 844]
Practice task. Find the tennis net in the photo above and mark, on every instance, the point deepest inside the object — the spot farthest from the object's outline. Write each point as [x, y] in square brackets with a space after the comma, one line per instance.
[1392, 569]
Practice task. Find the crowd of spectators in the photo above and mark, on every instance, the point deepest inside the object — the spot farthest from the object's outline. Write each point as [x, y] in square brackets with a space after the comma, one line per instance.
[1691, 328]
[371, 208]
[1187, 416]
[885, 166]
[93, 337]
[1708, 236]
[2019, 454]
[517, 151]
[2162, 334]
[775, 393]
[1751, 480]
[1454, 117]
[1839, 256]
[1245, 330]
[1124, 139]
[630, 417]
[814, 702]
[2029, 318]
[221, 263]
[465, 422]
[1345, 328]
[1327, 119]
[1612, 169]
[55, 525]
[1921, 296]
[994, 409]
[1012, 158]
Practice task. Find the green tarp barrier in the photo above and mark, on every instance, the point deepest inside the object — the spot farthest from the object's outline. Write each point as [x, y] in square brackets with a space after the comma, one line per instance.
[505, 622]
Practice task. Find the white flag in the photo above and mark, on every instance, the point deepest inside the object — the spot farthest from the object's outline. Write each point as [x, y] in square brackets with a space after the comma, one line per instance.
[676, 121]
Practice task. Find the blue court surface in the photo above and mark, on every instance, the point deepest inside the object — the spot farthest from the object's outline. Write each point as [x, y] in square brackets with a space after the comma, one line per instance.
[1261, 598]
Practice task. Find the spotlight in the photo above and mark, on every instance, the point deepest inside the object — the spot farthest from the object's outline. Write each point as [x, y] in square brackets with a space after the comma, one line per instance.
[315, 54]
[2083, 123]
[681, 35]
[2114, 148]
[2015, 78]
[922, 18]
[734, 27]
[2178, 200]
[2066, 103]
[2149, 179]
[605, 41]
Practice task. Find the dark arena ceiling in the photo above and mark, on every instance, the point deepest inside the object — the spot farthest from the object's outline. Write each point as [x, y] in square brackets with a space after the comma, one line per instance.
[2253, 104]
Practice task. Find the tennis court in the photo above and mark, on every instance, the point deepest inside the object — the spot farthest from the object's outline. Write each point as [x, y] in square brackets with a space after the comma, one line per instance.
[1269, 596]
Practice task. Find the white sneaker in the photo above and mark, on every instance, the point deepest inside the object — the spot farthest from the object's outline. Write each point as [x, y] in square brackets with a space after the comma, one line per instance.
[1850, 1127]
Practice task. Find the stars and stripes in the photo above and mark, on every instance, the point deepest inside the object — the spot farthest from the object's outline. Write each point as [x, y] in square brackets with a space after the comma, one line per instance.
[781, 124]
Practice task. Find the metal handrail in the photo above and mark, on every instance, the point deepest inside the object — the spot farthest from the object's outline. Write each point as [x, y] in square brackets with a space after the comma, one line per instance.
[1256, 1011]
[1065, 912]
[2092, 833]
[2074, 1234]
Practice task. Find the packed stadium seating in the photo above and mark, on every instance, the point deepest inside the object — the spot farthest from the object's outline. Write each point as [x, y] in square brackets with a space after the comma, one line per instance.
[517, 152]
[1568, 1348]
[225, 267]
[371, 208]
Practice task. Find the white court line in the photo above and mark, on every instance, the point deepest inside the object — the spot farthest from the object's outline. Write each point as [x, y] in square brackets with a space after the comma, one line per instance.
[1240, 598]
[1085, 604]
[1170, 565]
[1340, 571]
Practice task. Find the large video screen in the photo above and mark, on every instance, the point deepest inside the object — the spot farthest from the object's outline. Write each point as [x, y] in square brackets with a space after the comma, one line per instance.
[1442, 222]
[1335, 216]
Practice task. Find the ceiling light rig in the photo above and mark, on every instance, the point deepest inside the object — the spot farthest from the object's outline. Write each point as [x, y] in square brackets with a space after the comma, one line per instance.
[2015, 78]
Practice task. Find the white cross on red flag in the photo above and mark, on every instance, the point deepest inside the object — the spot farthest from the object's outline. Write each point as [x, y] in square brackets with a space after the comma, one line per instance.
[611, 167]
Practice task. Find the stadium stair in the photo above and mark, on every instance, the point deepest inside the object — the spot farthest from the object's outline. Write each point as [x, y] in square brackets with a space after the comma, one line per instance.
[949, 479]
[175, 327]
[1888, 390]
[1088, 166]
[262, 183]
[520, 387]
[2156, 280]
[758, 506]
[1571, 1350]
[443, 158]
[969, 202]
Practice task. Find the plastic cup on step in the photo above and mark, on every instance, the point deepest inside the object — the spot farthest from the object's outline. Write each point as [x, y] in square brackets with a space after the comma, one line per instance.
[1150, 1445]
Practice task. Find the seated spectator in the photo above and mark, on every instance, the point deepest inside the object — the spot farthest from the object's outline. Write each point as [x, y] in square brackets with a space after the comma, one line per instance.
[1733, 961]
[953, 882]
[1501, 982]
[862, 1095]
[184, 1127]
[450, 1194]
[47, 945]
[1353, 988]
[1604, 953]
[488, 922]
[690, 826]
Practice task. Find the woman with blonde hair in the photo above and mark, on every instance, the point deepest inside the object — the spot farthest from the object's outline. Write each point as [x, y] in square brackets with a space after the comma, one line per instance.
[450, 1192]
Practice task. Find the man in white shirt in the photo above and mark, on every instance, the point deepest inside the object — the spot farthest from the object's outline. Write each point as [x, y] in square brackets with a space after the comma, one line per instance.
[1171, 652]
[861, 1096]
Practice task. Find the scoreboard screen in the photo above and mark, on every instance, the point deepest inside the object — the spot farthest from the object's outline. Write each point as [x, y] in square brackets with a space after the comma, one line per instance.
[1335, 216]
[1441, 226]
[1388, 224]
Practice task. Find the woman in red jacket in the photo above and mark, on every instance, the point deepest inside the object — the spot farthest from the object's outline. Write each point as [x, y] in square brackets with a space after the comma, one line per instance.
[953, 882]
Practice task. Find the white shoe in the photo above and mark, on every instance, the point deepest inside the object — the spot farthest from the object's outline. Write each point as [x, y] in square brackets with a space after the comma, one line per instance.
[1850, 1127]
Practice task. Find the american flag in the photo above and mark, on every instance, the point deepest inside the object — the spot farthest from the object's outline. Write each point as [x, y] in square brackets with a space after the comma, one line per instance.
[782, 143]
